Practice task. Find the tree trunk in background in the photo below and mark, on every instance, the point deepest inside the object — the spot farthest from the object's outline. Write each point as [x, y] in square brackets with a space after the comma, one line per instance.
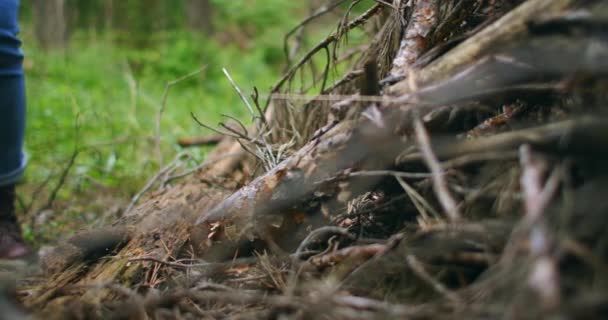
[199, 15]
[109, 14]
[50, 23]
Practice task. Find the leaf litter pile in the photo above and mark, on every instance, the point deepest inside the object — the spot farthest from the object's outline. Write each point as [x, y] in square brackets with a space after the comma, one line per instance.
[455, 170]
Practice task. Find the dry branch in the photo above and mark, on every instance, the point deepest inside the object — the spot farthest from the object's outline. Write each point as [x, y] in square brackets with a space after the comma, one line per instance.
[329, 231]
[509, 27]
[272, 200]
[324, 45]
[441, 188]
[200, 141]
[582, 136]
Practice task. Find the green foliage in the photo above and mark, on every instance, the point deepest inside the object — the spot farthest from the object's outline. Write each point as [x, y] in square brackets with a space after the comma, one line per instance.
[259, 15]
[102, 95]
[88, 95]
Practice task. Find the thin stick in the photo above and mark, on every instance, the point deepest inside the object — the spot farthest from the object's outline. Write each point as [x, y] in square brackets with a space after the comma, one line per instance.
[387, 4]
[200, 141]
[419, 202]
[236, 132]
[165, 263]
[479, 157]
[318, 13]
[238, 90]
[440, 186]
[62, 178]
[35, 195]
[66, 170]
[201, 166]
[151, 182]
[317, 233]
[373, 173]
[200, 123]
[163, 104]
[419, 271]
[256, 101]
[537, 195]
[321, 45]
[544, 275]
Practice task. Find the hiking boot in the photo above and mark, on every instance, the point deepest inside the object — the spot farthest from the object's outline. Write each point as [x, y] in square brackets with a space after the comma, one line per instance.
[12, 245]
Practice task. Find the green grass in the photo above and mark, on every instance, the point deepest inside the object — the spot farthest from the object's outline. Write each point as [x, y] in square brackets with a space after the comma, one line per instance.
[94, 87]
[102, 96]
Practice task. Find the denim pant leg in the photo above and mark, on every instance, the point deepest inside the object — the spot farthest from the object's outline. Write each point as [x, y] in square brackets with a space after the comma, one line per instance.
[12, 128]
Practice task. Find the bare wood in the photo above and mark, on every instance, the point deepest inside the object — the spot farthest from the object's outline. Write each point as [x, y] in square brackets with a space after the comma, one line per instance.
[268, 207]
[440, 186]
[249, 212]
[423, 19]
[510, 26]
[586, 135]
[200, 141]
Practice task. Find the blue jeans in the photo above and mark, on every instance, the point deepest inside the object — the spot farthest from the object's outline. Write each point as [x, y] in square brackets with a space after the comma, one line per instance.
[12, 96]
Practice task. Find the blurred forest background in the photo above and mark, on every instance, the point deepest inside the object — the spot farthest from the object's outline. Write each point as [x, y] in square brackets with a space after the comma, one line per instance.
[96, 72]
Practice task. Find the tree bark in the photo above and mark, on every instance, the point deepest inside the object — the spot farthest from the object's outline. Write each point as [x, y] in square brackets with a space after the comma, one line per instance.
[50, 23]
[199, 14]
[206, 219]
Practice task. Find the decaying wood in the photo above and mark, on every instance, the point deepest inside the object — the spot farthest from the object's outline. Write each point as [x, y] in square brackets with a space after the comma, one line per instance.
[509, 27]
[200, 141]
[583, 136]
[325, 156]
[272, 200]
[157, 228]
[423, 19]
[329, 229]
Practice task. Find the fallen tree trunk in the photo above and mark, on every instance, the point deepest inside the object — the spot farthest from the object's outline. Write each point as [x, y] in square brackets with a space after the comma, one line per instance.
[338, 227]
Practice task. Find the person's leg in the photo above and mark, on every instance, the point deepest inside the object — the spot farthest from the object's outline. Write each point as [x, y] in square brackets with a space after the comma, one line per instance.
[12, 97]
[12, 163]
[12, 128]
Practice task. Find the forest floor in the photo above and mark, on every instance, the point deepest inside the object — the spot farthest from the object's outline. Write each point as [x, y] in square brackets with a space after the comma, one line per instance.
[449, 166]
